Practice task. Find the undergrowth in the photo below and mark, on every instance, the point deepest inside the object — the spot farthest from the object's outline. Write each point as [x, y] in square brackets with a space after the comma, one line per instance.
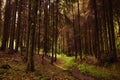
[98, 72]
[68, 62]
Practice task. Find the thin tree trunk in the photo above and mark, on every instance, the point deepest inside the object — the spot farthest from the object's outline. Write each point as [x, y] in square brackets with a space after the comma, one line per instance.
[112, 40]
[97, 51]
[18, 26]
[56, 28]
[105, 27]
[79, 32]
[39, 35]
[53, 24]
[13, 27]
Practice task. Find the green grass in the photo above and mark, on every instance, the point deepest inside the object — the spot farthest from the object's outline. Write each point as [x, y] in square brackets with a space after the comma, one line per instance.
[68, 62]
[100, 73]
[91, 70]
[94, 71]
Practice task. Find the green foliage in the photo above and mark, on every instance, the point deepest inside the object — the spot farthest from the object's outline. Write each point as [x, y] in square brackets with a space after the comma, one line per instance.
[68, 62]
[94, 71]
[83, 68]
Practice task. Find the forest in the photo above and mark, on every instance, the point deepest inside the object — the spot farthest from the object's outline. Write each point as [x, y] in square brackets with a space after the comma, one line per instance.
[59, 39]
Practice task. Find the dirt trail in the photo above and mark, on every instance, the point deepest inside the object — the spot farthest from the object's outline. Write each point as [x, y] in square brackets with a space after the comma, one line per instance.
[72, 74]
[46, 71]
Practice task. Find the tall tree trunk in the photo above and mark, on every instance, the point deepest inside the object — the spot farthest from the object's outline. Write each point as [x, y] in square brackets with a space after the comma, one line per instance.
[105, 27]
[18, 26]
[97, 49]
[15, 4]
[53, 24]
[28, 32]
[39, 25]
[56, 28]
[112, 33]
[46, 27]
[79, 32]
[33, 14]
[74, 30]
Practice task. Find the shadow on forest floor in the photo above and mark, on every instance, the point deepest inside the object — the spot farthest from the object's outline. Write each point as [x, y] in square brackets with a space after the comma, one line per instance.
[13, 68]
[16, 70]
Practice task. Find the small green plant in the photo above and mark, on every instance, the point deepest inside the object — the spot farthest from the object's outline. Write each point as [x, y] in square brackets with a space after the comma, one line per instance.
[83, 68]
[68, 62]
[94, 71]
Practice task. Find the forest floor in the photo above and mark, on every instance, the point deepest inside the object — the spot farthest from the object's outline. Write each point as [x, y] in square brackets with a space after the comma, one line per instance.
[12, 67]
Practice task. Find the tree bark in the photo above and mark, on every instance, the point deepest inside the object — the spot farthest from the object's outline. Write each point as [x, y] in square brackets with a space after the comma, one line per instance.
[97, 49]
[18, 26]
[33, 14]
[12, 35]
[112, 33]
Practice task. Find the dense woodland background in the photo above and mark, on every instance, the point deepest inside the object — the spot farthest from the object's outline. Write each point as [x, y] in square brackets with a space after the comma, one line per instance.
[78, 28]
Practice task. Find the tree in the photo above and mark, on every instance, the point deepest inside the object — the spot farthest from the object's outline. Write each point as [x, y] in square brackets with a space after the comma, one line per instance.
[79, 32]
[33, 8]
[97, 45]
[56, 28]
[53, 29]
[7, 23]
[18, 26]
[46, 22]
[13, 25]
[39, 24]
[113, 54]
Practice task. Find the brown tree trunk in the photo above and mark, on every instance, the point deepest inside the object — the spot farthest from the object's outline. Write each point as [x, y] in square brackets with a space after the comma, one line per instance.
[105, 27]
[18, 26]
[53, 24]
[79, 32]
[112, 33]
[33, 14]
[15, 4]
[97, 49]
[56, 28]
[74, 30]
[39, 25]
